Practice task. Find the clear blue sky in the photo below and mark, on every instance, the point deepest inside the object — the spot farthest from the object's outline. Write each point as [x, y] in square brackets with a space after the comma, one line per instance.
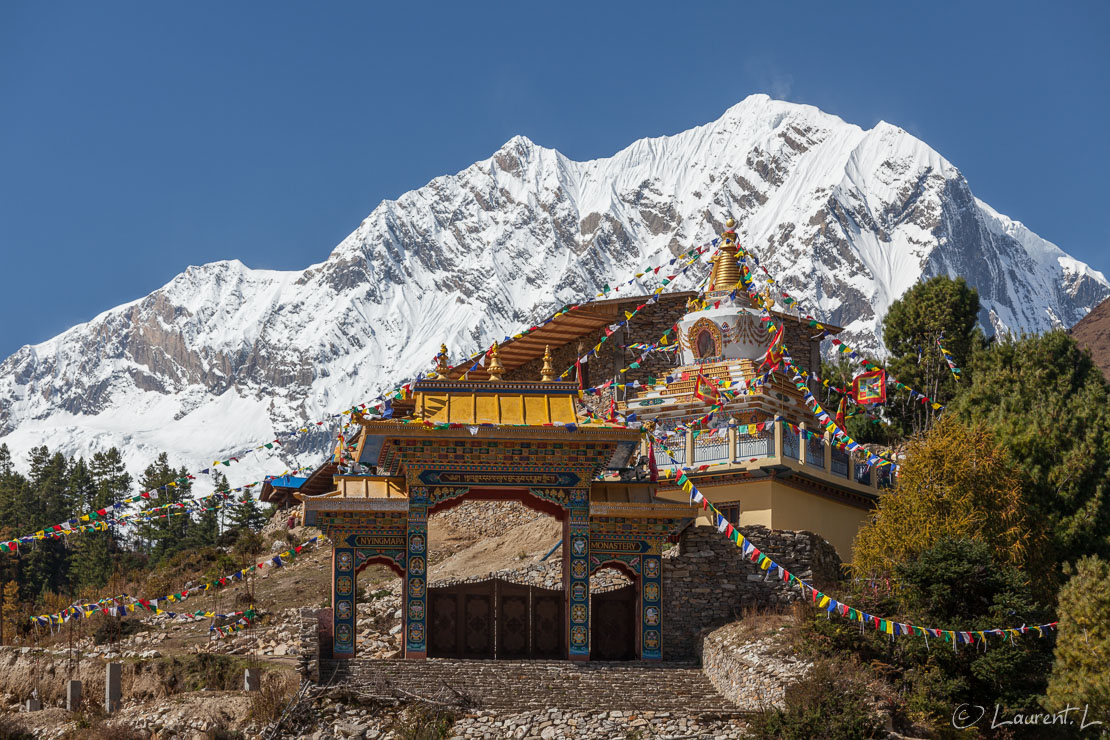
[139, 138]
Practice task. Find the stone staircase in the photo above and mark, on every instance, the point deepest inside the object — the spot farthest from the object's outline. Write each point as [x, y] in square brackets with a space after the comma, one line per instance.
[531, 685]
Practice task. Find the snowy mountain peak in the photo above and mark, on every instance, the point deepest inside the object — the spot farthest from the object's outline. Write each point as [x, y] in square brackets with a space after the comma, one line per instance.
[224, 355]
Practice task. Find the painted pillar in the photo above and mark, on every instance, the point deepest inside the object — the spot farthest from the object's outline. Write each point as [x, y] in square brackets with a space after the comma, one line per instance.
[576, 573]
[416, 576]
[343, 601]
[651, 605]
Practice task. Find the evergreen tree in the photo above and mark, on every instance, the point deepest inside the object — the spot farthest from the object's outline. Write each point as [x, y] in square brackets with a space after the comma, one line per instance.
[94, 552]
[926, 313]
[205, 528]
[247, 515]
[1049, 406]
[1079, 674]
[163, 536]
[15, 519]
[958, 584]
[82, 494]
[220, 485]
[46, 564]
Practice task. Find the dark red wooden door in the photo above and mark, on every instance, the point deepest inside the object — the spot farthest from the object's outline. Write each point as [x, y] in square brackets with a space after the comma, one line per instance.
[614, 624]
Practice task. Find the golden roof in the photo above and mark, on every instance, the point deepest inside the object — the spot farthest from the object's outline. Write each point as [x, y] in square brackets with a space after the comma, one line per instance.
[503, 402]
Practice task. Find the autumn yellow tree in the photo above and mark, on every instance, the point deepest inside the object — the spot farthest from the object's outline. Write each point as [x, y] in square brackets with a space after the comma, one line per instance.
[954, 482]
[11, 611]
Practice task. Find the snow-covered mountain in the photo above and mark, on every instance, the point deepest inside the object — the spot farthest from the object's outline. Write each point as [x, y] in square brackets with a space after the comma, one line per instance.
[224, 355]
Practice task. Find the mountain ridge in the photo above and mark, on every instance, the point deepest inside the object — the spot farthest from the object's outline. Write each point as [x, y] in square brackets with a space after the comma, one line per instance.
[846, 218]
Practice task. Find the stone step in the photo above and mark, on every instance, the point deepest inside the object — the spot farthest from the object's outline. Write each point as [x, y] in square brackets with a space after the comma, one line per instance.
[520, 686]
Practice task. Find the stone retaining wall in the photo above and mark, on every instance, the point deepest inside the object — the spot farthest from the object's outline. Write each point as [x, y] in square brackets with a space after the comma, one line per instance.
[308, 639]
[707, 582]
[751, 672]
[536, 684]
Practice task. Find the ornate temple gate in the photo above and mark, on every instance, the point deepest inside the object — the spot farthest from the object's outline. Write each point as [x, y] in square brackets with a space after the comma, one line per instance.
[550, 464]
[495, 619]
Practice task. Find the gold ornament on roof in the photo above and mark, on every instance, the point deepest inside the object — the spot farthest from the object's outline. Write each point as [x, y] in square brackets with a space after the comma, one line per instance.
[441, 363]
[768, 299]
[493, 365]
[547, 372]
[726, 273]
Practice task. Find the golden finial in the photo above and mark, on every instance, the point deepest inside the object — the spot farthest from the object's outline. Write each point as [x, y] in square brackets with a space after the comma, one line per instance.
[493, 365]
[547, 372]
[726, 273]
[441, 363]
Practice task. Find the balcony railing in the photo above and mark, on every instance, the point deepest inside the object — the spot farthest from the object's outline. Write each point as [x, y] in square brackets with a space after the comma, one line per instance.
[765, 450]
[677, 446]
[885, 478]
[815, 452]
[711, 449]
[791, 446]
[749, 446]
[840, 463]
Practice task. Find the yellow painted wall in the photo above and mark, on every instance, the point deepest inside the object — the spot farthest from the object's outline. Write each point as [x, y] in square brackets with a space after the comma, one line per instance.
[836, 522]
[775, 505]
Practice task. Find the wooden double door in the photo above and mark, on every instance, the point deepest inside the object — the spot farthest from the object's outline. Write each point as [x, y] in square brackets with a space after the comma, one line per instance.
[495, 619]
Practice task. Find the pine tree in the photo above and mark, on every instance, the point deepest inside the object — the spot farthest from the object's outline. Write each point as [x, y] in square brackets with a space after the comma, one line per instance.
[220, 485]
[204, 531]
[15, 519]
[94, 552]
[46, 565]
[1079, 673]
[247, 516]
[163, 536]
[940, 309]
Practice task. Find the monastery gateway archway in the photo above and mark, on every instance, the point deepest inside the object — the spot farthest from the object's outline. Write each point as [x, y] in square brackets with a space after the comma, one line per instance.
[501, 441]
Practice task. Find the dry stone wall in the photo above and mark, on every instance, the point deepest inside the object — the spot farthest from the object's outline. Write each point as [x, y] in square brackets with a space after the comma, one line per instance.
[751, 672]
[707, 582]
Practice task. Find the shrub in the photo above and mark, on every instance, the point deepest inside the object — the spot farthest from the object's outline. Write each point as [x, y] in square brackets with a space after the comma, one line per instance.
[268, 703]
[12, 729]
[422, 723]
[248, 543]
[832, 701]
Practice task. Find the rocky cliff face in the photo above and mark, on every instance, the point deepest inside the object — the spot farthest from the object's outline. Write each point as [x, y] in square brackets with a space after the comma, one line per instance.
[223, 356]
[1093, 333]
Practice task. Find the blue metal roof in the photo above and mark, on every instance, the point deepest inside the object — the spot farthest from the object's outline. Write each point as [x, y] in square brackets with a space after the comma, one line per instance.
[287, 481]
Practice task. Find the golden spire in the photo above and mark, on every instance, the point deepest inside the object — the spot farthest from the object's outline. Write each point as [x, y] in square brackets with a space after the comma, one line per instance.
[441, 363]
[547, 372]
[726, 273]
[493, 365]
